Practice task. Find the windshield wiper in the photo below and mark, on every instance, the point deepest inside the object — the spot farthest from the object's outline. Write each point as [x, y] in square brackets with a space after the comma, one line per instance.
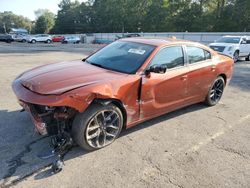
[95, 64]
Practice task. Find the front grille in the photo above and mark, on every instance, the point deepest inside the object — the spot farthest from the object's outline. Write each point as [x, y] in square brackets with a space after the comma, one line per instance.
[218, 48]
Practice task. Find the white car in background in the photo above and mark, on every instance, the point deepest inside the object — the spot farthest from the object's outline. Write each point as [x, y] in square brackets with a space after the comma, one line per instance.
[39, 38]
[234, 46]
[20, 37]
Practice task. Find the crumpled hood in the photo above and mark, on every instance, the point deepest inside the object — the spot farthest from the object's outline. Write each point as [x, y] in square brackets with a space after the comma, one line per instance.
[61, 77]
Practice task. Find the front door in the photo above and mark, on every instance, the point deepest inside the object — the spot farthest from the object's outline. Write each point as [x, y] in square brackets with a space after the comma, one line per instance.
[163, 92]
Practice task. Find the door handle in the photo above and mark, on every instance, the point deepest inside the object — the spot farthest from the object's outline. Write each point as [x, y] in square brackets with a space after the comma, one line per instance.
[184, 78]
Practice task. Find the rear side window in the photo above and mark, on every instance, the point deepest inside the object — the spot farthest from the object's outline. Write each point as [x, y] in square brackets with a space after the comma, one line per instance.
[196, 54]
[171, 57]
[207, 54]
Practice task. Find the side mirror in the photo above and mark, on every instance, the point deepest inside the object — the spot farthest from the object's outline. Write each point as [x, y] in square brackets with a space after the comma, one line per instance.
[243, 42]
[161, 69]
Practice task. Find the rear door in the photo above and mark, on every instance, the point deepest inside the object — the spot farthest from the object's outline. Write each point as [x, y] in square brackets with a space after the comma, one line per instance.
[163, 92]
[202, 72]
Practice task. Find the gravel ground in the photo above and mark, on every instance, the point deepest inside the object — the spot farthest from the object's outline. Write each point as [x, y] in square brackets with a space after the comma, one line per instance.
[197, 146]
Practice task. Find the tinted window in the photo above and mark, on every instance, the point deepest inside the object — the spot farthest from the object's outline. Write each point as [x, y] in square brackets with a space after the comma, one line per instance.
[171, 57]
[229, 40]
[195, 54]
[121, 56]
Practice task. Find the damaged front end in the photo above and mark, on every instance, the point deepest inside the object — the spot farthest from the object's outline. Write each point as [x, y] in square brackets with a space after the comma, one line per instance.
[55, 122]
[50, 120]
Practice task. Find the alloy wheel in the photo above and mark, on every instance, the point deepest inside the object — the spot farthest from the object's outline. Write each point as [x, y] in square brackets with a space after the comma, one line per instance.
[103, 128]
[216, 91]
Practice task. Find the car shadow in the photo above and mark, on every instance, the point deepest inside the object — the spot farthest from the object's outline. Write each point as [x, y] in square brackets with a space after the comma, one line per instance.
[18, 130]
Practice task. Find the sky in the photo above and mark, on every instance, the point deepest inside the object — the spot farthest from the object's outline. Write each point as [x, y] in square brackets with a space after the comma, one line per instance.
[27, 7]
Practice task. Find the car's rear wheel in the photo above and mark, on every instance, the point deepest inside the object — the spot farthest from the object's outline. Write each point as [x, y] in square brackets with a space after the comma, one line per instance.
[33, 41]
[215, 92]
[236, 56]
[98, 126]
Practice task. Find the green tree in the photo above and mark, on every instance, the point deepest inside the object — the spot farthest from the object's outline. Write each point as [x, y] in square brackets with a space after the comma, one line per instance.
[155, 16]
[44, 22]
[9, 20]
[152, 16]
[67, 17]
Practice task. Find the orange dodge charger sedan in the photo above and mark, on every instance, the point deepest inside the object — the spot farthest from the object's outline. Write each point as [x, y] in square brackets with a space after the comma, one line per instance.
[123, 84]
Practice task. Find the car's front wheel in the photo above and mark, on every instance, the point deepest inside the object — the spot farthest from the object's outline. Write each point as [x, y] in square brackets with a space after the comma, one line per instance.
[98, 126]
[215, 92]
[248, 58]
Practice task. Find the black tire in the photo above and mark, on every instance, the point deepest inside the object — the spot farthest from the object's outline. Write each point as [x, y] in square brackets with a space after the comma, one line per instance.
[33, 41]
[82, 120]
[248, 58]
[48, 41]
[211, 98]
[236, 56]
[8, 41]
[23, 41]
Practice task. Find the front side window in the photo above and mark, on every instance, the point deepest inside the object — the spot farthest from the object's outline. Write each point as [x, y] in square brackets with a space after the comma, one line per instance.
[207, 54]
[171, 57]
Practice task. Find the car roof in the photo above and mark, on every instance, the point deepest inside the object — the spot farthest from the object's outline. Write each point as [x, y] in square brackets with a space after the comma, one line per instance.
[156, 41]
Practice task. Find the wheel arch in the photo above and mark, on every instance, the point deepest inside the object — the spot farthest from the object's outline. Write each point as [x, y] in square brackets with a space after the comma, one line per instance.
[117, 103]
[224, 76]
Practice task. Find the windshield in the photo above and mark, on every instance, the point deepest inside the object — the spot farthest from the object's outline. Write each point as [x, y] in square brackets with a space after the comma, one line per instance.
[229, 40]
[121, 56]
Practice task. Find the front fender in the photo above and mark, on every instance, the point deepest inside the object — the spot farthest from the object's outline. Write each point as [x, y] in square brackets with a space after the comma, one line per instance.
[125, 91]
